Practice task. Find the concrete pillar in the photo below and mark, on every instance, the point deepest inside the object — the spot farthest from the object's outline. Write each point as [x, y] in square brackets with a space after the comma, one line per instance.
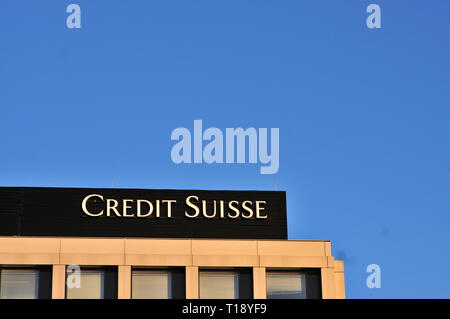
[59, 282]
[192, 283]
[124, 273]
[339, 278]
[328, 283]
[259, 283]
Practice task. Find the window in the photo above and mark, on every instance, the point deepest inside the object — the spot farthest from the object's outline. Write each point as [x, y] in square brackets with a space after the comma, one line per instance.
[219, 285]
[90, 286]
[225, 284]
[25, 283]
[152, 283]
[293, 284]
[286, 285]
[19, 284]
[94, 283]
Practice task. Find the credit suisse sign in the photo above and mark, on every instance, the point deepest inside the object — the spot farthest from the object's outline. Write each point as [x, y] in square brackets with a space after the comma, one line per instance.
[88, 212]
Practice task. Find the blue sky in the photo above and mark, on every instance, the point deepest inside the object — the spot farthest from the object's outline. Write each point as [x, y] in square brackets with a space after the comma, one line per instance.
[364, 114]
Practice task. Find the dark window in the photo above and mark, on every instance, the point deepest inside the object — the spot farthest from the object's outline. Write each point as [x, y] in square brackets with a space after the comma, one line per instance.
[158, 283]
[226, 283]
[17, 282]
[93, 283]
[293, 284]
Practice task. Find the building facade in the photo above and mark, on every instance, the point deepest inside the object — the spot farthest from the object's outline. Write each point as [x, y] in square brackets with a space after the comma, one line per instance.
[37, 261]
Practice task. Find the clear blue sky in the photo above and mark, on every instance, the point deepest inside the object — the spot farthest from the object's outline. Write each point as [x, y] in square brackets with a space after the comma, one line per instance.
[364, 115]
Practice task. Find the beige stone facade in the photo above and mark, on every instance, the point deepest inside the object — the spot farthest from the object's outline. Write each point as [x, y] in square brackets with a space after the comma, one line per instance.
[190, 253]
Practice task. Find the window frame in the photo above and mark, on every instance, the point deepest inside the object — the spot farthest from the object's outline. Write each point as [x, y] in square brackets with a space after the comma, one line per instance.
[110, 280]
[177, 279]
[313, 280]
[244, 279]
[44, 278]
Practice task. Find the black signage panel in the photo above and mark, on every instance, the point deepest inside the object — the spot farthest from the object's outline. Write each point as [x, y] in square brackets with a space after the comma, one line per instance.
[94, 212]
